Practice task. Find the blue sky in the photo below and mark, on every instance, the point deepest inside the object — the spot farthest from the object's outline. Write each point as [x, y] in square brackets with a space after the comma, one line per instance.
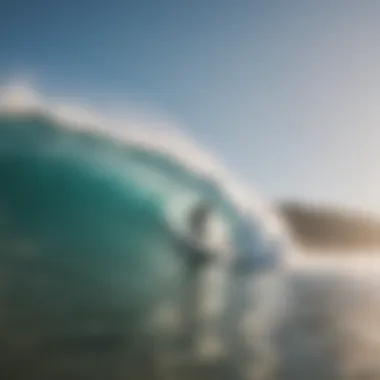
[286, 92]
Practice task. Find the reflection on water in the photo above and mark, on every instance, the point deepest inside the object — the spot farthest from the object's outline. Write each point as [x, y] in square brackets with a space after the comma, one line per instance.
[333, 323]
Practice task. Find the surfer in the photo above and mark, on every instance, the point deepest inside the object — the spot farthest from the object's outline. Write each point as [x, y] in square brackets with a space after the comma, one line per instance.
[198, 219]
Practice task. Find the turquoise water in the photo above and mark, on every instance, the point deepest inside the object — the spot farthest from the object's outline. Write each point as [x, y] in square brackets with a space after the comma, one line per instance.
[93, 234]
[58, 166]
[94, 272]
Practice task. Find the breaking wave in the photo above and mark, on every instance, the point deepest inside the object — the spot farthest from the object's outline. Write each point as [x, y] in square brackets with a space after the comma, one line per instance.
[159, 155]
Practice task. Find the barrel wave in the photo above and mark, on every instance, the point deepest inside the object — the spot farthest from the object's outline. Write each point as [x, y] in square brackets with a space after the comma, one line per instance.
[119, 260]
[135, 256]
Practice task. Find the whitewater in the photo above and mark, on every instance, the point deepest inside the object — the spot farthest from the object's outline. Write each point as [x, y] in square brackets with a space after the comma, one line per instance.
[95, 283]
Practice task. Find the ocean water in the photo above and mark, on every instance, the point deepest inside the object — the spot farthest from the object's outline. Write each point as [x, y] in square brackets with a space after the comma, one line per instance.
[101, 273]
[102, 276]
[332, 325]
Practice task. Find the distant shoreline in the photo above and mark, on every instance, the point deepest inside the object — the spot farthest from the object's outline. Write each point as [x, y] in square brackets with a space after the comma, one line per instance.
[319, 229]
